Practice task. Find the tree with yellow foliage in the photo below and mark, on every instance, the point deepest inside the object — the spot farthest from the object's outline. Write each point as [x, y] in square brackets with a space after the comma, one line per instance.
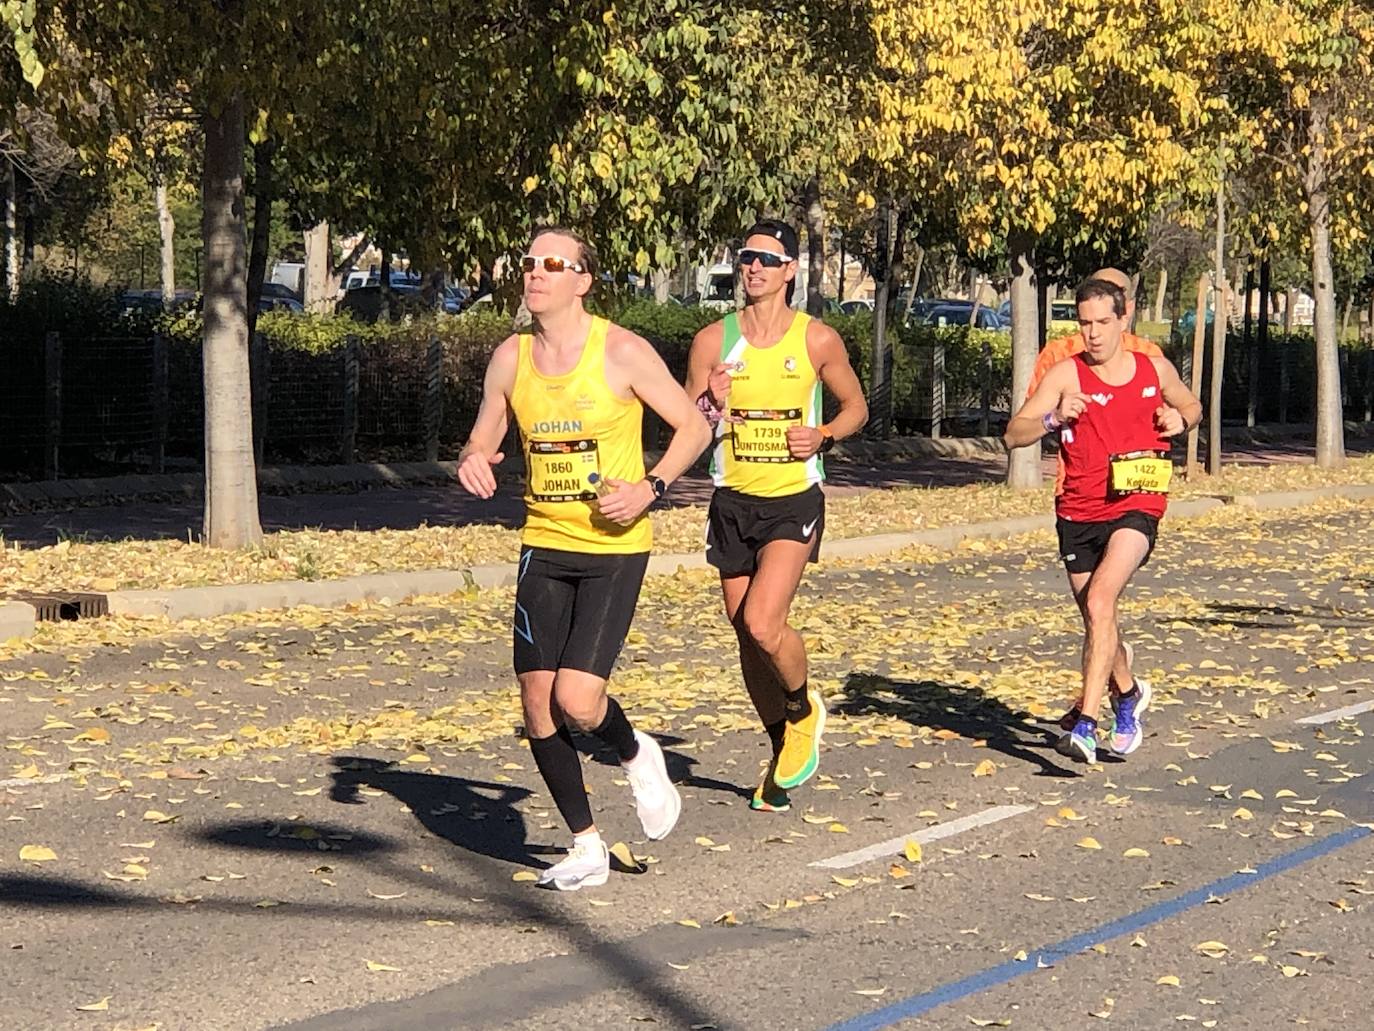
[1073, 118]
[1300, 74]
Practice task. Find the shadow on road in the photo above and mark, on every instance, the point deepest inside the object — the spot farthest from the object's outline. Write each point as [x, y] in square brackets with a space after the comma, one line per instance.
[965, 711]
[1276, 617]
[478, 816]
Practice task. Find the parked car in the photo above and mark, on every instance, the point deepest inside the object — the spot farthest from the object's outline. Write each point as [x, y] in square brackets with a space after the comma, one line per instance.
[958, 313]
[858, 306]
[364, 303]
[287, 304]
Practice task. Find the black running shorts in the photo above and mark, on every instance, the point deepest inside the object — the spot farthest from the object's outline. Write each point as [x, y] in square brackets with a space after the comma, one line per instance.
[1082, 545]
[573, 610]
[739, 525]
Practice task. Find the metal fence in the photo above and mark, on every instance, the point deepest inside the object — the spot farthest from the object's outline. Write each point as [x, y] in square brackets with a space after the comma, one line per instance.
[107, 405]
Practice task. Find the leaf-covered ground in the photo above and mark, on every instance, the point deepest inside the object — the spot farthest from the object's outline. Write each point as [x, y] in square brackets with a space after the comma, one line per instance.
[317, 555]
[355, 780]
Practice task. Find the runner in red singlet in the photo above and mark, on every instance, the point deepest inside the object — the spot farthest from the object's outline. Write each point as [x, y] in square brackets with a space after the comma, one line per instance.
[1115, 411]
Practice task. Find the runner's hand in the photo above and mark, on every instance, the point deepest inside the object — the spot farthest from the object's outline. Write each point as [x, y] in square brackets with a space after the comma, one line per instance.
[1071, 406]
[804, 441]
[625, 502]
[1169, 421]
[718, 386]
[475, 473]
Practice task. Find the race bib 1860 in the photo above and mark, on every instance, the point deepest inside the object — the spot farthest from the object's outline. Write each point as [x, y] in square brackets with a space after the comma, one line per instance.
[558, 470]
[1141, 472]
[762, 436]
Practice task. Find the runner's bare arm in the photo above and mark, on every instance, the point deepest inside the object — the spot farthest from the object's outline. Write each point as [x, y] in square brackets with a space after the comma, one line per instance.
[705, 371]
[482, 451]
[1058, 393]
[639, 365]
[1181, 410]
[831, 360]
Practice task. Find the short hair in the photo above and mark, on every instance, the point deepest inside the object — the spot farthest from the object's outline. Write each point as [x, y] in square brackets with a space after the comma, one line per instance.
[586, 253]
[1091, 289]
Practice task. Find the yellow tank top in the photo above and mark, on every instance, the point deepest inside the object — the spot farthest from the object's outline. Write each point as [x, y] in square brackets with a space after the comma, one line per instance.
[777, 388]
[572, 425]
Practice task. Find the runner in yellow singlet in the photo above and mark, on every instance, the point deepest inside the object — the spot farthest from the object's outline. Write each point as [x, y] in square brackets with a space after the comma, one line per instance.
[576, 387]
[758, 375]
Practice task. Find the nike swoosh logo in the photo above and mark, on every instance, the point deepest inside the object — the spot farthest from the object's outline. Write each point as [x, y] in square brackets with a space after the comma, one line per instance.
[806, 530]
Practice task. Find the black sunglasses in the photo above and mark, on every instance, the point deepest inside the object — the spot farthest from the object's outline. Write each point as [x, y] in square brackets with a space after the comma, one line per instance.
[768, 259]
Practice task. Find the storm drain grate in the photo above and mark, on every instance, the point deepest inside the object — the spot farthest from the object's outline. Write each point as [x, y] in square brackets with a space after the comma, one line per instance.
[56, 606]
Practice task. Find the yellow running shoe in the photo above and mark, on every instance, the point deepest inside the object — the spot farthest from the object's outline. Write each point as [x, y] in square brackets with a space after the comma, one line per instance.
[801, 746]
[768, 797]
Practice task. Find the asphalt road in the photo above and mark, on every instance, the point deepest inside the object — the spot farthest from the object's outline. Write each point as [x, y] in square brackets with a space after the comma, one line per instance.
[323, 819]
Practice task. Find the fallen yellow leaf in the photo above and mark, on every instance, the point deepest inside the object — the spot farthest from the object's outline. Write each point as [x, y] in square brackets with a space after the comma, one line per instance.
[1088, 843]
[986, 768]
[524, 875]
[37, 854]
[379, 967]
[912, 851]
[96, 1007]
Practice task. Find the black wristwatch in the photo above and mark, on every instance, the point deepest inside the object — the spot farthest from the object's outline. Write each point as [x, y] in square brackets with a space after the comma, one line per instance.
[660, 488]
[827, 442]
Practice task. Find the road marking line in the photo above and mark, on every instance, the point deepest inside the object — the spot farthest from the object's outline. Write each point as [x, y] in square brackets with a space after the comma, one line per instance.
[894, 846]
[1337, 714]
[992, 977]
[19, 782]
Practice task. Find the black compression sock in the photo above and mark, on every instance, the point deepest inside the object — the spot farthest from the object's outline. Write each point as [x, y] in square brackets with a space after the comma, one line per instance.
[775, 734]
[798, 704]
[559, 765]
[616, 731]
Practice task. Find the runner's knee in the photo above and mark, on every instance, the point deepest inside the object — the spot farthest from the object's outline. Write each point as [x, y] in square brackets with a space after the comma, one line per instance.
[1099, 608]
[764, 629]
[583, 707]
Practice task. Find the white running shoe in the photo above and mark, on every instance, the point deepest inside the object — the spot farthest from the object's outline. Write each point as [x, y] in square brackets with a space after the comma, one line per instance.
[586, 866]
[656, 798]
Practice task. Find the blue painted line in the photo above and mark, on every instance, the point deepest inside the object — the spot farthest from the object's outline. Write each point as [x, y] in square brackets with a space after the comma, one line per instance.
[916, 1005]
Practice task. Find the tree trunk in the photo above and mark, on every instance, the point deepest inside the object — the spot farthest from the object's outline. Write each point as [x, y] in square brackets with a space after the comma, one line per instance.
[231, 490]
[1330, 445]
[11, 232]
[384, 283]
[975, 297]
[663, 284]
[814, 214]
[915, 282]
[839, 287]
[1218, 336]
[1261, 329]
[1195, 372]
[321, 288]
[262, 228]
[30, 225]
[1248, 346]
[1290, 304]
[166, 228]
[1023, 463]
[1160, 293]
[1346, 312]
[879, 390]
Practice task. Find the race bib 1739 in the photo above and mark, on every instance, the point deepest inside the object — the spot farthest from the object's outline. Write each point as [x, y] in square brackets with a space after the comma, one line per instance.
[1141, 472]
[762, 436]
[558, 470]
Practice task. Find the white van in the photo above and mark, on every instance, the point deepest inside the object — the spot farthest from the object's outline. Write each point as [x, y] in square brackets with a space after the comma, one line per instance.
[718, 291]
